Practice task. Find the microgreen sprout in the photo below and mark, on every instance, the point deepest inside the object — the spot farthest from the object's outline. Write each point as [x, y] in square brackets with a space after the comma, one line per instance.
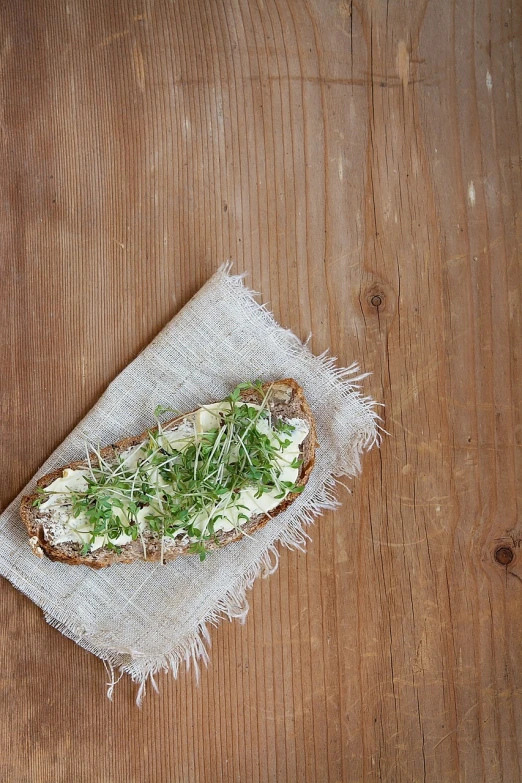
[41, 495]
[182, 488]
[161, 410]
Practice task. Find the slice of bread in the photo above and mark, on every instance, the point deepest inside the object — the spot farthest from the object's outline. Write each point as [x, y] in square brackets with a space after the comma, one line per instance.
[286, 401]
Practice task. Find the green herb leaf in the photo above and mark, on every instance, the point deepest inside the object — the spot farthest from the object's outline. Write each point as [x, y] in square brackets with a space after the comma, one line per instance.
[179, 486]
[160, 410]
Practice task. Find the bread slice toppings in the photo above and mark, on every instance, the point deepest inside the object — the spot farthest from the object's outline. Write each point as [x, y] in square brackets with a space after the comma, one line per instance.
[188, 486]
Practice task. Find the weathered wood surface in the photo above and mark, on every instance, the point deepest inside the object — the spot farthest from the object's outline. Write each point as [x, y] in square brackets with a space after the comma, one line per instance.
[363, 162]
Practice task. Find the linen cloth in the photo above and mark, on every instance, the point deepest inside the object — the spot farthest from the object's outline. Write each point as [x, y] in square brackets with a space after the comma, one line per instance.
[145, 617]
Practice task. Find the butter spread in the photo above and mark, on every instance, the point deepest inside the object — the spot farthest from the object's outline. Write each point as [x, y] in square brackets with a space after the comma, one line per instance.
[231, 510]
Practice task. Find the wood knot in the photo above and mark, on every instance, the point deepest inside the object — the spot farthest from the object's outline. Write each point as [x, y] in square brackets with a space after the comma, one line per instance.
[377, 298]
[504, 555]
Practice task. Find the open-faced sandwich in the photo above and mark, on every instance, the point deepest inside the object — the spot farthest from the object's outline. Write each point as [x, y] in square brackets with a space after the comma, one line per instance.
[190, 485]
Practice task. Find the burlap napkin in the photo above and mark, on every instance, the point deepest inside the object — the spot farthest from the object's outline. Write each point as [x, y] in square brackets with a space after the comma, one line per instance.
[145, 617]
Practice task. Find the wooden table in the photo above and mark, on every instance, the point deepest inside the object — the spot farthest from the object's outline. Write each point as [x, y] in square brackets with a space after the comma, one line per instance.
[362, 161]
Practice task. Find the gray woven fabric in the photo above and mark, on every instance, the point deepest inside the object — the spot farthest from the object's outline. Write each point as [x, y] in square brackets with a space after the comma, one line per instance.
[145, 617]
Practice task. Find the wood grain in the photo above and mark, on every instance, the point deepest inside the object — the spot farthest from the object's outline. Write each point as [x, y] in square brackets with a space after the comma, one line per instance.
[362, 161]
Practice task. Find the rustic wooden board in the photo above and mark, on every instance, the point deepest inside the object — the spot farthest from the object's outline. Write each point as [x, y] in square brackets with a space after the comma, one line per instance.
[362, 161]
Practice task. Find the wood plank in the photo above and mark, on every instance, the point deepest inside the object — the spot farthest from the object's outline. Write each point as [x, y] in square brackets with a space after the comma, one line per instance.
[363, 163]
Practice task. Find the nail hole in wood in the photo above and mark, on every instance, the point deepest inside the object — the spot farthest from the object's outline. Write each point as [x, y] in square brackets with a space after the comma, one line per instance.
[376, 300]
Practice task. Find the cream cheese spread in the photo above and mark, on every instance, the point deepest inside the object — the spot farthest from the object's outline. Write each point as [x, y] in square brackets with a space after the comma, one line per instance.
[230, 510]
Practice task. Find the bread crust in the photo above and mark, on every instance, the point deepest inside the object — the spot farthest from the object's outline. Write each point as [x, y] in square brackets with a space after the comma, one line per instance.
[69, 552]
